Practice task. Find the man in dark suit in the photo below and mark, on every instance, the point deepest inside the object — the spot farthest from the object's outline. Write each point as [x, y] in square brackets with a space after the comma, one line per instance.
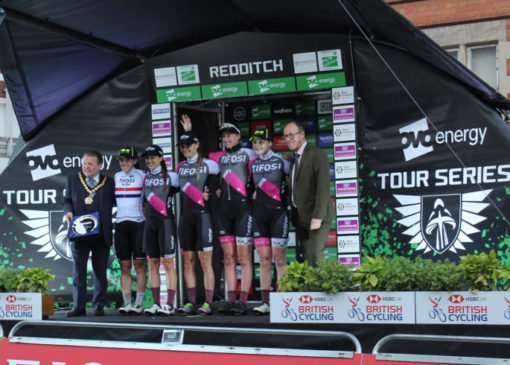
[88, 192]
[312, 208]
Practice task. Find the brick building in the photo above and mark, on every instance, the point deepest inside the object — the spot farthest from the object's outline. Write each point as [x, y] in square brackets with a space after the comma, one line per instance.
[475, 32]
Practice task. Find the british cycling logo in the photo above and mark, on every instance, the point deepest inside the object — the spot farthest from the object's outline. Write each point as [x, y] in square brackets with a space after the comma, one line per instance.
[43, 162]
[418, 140]
[49, 233]
[441, 223]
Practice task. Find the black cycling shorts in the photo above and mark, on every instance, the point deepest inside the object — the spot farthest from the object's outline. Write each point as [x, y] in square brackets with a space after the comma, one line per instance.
[235, 220]
[159, 237]
[271, 223]
[195, 231]
[129, 241]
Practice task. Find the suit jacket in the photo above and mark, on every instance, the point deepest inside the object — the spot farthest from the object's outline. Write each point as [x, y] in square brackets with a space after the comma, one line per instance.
[74, 202]
[311, 186]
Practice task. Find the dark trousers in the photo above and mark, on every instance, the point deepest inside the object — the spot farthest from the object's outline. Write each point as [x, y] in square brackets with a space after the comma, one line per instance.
[81, 251]
[313, 242]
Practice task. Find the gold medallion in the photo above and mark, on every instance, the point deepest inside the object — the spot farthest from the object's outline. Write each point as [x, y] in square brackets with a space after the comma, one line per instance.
[89, 200]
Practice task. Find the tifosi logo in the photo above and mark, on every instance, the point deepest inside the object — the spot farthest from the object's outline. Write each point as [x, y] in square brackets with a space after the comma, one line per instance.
[456, 298]
[43, 162]
[418, 140]
[442, 222]
[305, 299]
[374, 298]
[11, 298]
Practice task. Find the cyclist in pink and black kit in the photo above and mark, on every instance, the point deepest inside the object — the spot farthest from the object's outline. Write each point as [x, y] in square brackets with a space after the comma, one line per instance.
[195, 227]
[235, 218]
[271, 221]
[159, 231]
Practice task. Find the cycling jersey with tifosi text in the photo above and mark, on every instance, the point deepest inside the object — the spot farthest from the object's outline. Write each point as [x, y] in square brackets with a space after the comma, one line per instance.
[158, 194]
[129, 195]
[194, 178]
[268, 173]
[234, 172]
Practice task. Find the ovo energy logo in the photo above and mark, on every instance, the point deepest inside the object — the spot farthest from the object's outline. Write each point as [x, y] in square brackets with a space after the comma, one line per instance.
[417, 140]
[43, 162]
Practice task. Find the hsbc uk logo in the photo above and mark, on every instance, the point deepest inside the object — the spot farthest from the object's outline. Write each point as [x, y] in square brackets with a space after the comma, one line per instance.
[442, 223]
[373, 298]
[305, 299]
[11, 298]
[43, 162]
[456, 298]
[418, 140]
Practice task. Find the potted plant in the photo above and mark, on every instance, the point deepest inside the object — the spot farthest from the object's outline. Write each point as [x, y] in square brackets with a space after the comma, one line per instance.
[31, 280]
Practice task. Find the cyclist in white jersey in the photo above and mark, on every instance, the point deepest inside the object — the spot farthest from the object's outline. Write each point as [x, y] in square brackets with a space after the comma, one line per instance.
[129, 228]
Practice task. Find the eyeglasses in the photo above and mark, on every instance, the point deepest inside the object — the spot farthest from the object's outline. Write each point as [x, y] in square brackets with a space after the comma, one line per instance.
[290, 135]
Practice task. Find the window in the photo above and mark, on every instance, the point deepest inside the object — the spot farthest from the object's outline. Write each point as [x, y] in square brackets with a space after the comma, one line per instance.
[483, 61]
[454, 52]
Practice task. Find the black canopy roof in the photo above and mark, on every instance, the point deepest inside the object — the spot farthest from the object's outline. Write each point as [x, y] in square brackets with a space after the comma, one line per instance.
[53, 51]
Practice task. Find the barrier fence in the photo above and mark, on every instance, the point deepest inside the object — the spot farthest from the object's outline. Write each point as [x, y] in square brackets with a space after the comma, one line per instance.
[36, 342]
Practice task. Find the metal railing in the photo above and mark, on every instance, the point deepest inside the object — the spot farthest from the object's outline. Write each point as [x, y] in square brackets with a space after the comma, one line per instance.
[172, 339]
[447, 359]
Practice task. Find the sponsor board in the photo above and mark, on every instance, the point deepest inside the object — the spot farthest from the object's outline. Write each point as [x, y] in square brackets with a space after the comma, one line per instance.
[347, 206]
[325, 139]
[324, 123]
[20, 306]
[312, 139]
[484, 308]
[344, 132]
[160, 111]
[304, 307]
[261, 124]
[331, 240]
[161, 128]
[280, 111]
[331, 158]
[279, 124]
[271, 86]
[187, 75]
[345, 151]
[305, 108]
[330, 253]
[309, 123]
[178, 94]
[352, 261]
[228, 90]
[262, 111]
[347, 225]
[324, 107]
[343, 114]
[279, 144]
[304, 62]
[377, 307]
[244, 128]
[342, 95]
[292, 239]
[168, 161]
[348, 244]
[246, 68]
[165, 143]
[320, 81]
[165, 76]
[330, 60]
[345, 188]
[345, 170]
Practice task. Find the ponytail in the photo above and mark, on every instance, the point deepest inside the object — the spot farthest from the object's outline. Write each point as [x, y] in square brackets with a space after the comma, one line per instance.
[165, 173]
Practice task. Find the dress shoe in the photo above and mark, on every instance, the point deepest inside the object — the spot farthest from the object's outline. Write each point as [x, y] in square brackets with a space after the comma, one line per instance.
[77, 313]
[99, 311]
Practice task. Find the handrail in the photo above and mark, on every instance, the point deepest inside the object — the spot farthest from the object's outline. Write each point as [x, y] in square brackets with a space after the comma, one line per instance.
[451, 359]
[185, 347]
